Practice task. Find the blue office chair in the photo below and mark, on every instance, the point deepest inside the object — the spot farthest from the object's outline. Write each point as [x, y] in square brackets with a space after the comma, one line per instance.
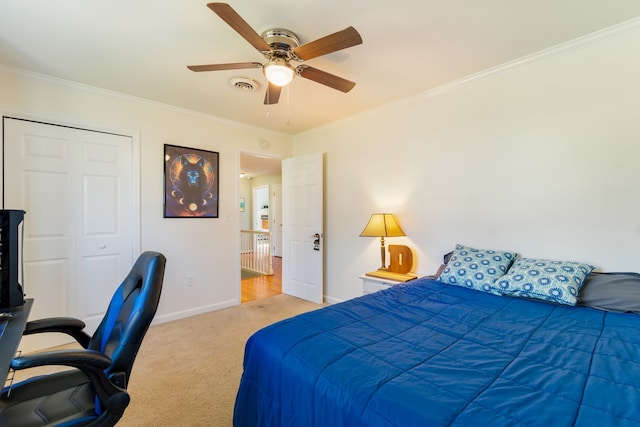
[95, 393]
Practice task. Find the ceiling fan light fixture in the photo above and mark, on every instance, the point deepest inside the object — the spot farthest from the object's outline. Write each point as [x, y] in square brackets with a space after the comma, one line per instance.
[279, 72]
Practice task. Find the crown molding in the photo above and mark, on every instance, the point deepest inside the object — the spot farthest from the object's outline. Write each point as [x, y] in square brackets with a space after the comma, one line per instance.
[31, 75]
[599, 36]
[582, 42]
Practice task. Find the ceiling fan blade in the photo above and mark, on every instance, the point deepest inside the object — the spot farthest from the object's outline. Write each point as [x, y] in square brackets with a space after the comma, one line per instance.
[236, 22]
[328, 44]
[218, 67]
[325, 78]
[272, 95]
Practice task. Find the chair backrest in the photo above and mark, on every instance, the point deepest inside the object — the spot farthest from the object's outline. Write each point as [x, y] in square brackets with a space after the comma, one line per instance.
[129, 315]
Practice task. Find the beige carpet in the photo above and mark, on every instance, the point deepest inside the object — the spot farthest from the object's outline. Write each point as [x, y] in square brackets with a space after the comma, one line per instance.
[188, 371]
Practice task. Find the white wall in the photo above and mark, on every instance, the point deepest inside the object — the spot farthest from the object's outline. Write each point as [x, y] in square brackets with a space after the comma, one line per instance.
[540, 157]
[204, 248]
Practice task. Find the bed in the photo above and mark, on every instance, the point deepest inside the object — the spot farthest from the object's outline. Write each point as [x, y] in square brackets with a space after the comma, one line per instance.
[429, 353]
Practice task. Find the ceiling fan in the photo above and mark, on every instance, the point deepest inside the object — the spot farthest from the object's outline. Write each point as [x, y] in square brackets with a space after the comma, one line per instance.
[280, 47]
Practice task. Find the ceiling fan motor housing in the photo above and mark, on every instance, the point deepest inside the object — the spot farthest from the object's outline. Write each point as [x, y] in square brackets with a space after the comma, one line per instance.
[282, 43]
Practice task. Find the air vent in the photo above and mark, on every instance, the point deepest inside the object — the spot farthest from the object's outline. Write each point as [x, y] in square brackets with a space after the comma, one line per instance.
[244, 84]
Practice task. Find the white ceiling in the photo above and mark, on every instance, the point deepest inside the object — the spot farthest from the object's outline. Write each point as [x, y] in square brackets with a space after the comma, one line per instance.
[142, 47]
[252, 166]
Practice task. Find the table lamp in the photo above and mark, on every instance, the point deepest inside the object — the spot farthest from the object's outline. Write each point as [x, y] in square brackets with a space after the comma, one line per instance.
[382, 225]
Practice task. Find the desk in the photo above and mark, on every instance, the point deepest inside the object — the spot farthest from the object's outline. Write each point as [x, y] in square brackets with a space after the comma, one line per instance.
[11, 336]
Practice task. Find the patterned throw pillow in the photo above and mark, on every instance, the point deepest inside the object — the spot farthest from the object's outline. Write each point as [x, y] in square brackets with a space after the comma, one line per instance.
[556, 281]
[477, 268]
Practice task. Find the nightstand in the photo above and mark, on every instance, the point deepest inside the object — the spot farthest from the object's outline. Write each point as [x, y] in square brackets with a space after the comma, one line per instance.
[374, 284]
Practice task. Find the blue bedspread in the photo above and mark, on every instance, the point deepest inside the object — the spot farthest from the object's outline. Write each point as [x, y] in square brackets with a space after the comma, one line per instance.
[430, 354]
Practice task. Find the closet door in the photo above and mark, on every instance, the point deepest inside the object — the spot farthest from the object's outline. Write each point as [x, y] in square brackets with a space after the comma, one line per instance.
[76, 187]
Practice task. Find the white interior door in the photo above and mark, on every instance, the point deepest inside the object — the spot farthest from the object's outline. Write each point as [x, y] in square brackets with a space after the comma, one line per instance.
[76, 187]
[302, 232]
[260, 204]
[276, 220]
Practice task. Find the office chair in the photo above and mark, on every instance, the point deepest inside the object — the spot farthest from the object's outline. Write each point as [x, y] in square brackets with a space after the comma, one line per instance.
[93, 394]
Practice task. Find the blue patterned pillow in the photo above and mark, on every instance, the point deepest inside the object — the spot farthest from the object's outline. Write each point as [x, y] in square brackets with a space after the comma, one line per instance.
[477, 268]
[556, 281]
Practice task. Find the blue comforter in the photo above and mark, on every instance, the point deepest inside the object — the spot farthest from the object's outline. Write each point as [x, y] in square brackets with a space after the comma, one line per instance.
[430, 354]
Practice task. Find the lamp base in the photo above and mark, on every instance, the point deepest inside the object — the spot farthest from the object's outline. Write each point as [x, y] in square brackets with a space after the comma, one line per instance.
[398, 277]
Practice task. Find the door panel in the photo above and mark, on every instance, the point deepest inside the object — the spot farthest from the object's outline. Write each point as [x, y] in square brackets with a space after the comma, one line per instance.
[303, 247]
[100, 278]
[105, 236]
[276, 221]
[45, 279]
[37, 169]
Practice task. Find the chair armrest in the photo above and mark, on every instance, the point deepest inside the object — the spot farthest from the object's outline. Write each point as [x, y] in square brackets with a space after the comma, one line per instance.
[66, 325]
[81, 359]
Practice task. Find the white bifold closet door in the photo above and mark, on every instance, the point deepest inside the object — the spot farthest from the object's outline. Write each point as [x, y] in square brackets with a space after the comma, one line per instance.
[76, 187]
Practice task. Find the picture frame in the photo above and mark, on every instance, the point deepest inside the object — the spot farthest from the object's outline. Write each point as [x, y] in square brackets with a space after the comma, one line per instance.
[191, 182]
[242, 202]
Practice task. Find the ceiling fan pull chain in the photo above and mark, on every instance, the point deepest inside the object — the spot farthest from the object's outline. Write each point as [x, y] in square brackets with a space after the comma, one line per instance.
[268, 103]
[288, 106]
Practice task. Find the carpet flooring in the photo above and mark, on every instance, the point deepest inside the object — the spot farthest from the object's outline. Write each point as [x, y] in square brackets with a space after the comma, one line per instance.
[188, 371]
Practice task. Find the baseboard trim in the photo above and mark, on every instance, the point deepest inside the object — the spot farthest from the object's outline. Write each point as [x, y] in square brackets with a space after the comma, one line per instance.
[169, 317]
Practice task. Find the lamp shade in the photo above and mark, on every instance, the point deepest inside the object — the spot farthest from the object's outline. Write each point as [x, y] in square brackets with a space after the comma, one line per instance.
[382, 225]
[279, 72]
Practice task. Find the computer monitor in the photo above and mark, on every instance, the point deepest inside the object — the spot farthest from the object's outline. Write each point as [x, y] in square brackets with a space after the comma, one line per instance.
[11, 263]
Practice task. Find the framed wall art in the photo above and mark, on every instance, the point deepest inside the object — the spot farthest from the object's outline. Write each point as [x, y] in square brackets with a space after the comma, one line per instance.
[190, 182]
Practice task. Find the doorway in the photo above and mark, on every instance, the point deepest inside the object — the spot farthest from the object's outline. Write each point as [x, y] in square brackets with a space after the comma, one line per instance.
[260, 210]
[302, 268]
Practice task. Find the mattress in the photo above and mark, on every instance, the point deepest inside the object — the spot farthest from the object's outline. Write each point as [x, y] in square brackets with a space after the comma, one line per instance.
[426, 353]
